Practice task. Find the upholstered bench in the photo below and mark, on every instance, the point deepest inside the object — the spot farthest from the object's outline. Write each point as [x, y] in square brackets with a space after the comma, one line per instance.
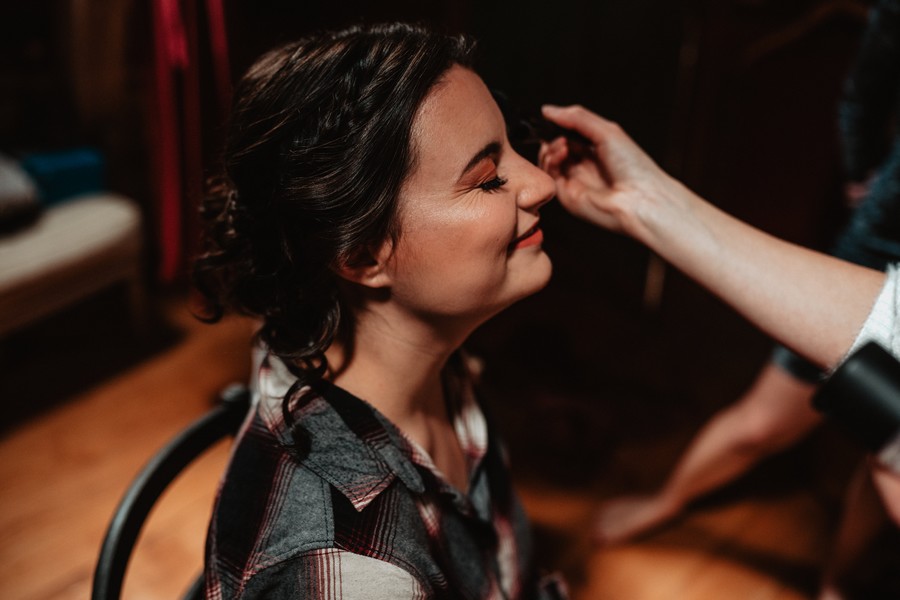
[75, 248]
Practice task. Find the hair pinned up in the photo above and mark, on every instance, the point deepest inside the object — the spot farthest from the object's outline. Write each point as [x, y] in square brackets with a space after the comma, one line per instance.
[317, 149]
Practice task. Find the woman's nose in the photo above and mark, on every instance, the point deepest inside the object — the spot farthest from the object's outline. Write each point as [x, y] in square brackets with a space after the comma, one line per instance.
[537, 189]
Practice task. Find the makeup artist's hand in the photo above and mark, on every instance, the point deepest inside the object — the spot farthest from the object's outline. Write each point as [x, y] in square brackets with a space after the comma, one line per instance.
[611, 183]
[856, 191]
[786, 290]
[887, 483]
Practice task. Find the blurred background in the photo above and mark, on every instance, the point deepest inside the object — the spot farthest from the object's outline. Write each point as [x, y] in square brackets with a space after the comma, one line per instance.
[113, 110]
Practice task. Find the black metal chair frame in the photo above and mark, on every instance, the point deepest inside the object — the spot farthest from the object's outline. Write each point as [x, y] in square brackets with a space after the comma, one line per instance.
[151, 482]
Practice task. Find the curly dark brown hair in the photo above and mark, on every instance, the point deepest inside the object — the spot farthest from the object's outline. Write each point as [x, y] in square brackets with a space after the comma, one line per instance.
[317, 148]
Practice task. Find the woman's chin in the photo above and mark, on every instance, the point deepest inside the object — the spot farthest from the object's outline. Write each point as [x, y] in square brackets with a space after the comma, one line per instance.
[534, 278]
[542, 272]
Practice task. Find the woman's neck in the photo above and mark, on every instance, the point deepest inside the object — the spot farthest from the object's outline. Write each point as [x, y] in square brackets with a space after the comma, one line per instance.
[396, 369]
[396, 365]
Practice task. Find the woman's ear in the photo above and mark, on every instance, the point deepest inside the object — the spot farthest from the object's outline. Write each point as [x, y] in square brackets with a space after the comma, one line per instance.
[368, 266]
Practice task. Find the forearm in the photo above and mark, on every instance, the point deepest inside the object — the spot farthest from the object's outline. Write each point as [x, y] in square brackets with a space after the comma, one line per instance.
[809, 301]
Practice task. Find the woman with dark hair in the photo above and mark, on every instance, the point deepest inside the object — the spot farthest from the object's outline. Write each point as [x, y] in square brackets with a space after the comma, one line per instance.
[371, 215]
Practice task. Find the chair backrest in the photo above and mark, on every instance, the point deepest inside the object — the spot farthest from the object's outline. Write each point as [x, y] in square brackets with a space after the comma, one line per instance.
[151, 482]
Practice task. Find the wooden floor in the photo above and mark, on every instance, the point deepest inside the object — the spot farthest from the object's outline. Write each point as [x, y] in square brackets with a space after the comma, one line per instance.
[62, 473]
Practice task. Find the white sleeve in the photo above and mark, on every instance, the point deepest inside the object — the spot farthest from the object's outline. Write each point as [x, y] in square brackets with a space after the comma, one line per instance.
[883, 323]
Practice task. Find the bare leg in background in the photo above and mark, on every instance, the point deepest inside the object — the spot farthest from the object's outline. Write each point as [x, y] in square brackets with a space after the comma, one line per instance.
[773, 415]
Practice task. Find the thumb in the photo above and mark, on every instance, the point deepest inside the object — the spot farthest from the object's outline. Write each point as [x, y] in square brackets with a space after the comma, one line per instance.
[578, 118]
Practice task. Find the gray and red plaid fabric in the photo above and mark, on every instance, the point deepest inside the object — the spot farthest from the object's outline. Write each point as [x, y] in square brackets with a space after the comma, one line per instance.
[366, 514]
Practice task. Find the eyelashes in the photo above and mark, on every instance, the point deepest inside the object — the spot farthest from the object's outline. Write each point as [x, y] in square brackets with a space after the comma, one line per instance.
[492, 185]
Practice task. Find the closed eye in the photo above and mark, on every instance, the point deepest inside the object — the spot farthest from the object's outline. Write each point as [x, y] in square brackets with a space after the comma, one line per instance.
[492, 185]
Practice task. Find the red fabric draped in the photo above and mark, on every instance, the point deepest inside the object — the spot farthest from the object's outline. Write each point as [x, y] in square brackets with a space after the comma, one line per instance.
[177, 131]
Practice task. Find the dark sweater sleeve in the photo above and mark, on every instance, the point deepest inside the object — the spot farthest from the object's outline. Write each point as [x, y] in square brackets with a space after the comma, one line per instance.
[871, 92]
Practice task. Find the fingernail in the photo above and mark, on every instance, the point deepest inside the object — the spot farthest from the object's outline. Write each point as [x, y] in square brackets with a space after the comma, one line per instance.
[550, 108]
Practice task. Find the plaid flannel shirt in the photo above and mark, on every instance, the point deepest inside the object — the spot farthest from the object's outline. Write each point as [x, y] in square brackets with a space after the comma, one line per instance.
[366, 514]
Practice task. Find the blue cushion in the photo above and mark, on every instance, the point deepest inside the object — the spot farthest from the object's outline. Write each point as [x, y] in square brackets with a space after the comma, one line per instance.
[65, 174]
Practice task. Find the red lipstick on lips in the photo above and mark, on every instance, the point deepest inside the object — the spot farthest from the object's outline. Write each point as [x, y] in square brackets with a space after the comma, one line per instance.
[532, 237]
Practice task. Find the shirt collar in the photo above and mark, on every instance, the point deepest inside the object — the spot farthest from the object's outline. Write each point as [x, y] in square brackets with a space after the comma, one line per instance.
[353, 446]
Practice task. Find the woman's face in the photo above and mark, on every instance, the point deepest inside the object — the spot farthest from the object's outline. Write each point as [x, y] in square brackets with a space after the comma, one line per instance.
[469, 241]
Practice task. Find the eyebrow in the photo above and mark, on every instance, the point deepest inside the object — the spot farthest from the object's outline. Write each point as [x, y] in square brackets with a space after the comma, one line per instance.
[491, 149]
